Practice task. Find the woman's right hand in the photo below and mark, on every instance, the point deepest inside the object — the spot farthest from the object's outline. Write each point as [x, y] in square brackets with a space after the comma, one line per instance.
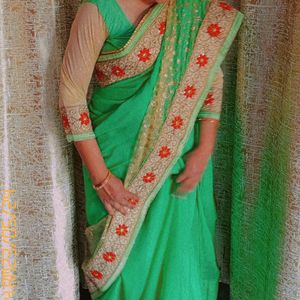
[113, 194]
[115, 197]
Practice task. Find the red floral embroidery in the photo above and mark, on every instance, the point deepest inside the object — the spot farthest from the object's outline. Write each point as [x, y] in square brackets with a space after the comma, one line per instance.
[149, 177]
[100, 75]
[202, 60]
[189, 91]
[214, 30]
[65, 120]
[226, 6]
[144, 55]
[84, 118]
[119, 72]
[133, 201]
[97, 274]
[122, 230]
[209, 99]
[164, 152]
[177, 122]
[109, 256]
[162, 28]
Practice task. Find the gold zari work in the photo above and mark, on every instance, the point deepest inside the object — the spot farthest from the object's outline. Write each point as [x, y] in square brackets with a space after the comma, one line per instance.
[142, 56]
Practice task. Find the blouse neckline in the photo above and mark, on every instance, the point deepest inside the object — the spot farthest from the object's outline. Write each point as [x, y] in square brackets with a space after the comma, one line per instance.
[133, 26]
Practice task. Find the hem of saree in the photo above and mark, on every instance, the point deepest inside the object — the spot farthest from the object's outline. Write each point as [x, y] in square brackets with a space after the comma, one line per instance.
[137, 34]
[222, 52]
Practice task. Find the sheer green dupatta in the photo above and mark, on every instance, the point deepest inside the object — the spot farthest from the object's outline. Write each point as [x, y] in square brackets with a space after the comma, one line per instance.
[193, 28]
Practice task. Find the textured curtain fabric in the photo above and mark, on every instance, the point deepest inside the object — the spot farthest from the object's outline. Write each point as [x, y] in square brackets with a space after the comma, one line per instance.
[38, 257]
[257, 167]
[257, 160]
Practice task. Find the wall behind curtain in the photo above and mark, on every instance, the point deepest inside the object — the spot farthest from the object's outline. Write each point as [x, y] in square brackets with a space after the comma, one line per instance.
[256, 161]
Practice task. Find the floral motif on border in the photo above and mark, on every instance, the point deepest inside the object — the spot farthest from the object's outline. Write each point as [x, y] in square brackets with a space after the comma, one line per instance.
[142, 56]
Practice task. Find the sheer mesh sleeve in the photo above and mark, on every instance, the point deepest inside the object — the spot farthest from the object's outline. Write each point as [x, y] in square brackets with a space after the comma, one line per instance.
[212, 105]
[87, 35]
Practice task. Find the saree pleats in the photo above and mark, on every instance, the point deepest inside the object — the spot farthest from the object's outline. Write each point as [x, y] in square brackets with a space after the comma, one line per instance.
[162, 262]
[175, 232]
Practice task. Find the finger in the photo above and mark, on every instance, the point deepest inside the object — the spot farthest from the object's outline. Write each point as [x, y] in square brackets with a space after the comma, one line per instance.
[186, 186]
[108, 192]
[109, 208]
[128, 199]
[119, 207]
[183, 176]
[104, 196]
[129, 202]
[132, 199]
[121, 200]
[132, 195]
[181, 190]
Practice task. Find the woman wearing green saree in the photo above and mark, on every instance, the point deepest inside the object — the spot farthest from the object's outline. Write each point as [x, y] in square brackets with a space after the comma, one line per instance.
[146, 139]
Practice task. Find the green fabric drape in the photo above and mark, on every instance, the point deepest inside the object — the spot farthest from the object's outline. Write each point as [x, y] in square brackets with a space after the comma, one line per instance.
[257, 155]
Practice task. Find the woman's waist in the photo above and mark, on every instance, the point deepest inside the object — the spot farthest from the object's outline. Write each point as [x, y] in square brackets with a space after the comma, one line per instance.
[123, 87]
[117, 141]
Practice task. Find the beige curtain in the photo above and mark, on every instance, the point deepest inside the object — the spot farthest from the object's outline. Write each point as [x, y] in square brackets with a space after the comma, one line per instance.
[38, 253]
[257, 160]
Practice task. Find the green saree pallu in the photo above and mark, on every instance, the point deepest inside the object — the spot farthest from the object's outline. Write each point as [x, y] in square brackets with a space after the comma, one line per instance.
[152, 82]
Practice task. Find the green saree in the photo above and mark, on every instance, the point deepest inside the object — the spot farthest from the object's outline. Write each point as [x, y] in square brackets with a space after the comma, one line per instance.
[144, 114]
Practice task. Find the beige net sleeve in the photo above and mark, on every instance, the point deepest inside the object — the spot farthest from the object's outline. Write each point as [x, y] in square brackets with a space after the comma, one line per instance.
[87, 35]
[213, 103]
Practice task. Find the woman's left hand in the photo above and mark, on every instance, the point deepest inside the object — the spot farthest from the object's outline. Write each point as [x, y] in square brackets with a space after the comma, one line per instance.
[196, 162]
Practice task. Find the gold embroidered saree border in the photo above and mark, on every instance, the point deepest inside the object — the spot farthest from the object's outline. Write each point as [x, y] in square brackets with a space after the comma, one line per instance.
[76, 122]
[139, 53]
[149, 17]
[113, 249]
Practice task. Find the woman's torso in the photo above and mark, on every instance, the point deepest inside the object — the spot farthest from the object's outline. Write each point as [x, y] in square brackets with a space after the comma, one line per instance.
[119, 27]
[105, 100]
